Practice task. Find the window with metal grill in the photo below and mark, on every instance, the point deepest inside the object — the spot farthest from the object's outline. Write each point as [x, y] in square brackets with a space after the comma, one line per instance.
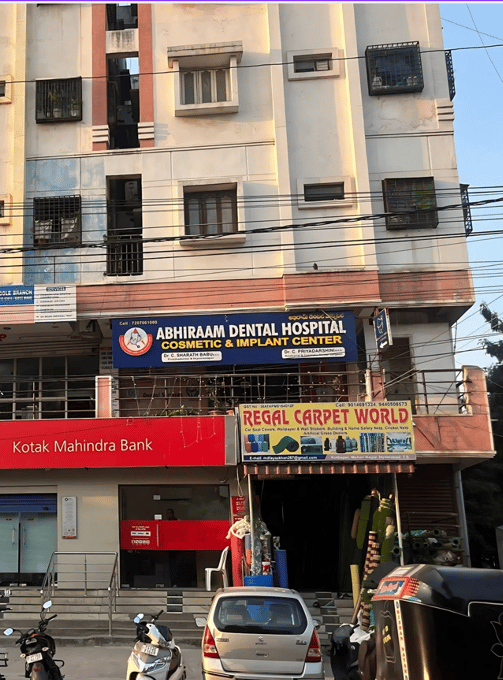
[450, 74]
[204, 87]
[324, 192]
[2, 88]
[307, 64]
[210, 213]
[58, 100]
[394, 69]
[417, 195]
[56, 220]
[2, 208]
[125, 227]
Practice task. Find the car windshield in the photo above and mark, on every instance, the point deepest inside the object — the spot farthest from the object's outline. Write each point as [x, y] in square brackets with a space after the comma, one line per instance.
[265, 615]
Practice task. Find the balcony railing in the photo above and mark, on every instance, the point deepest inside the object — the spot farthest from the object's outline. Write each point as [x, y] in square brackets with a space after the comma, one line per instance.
[154, 392]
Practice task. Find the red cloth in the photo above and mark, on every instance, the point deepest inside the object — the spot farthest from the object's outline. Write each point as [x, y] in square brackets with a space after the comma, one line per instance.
[237, 551]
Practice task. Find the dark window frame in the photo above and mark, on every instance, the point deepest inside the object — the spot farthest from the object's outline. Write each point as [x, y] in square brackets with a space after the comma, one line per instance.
[312, 59]
[58, 100]
[314, 198]
[124, 238]
[124, 24]
[450, 74]
[48, 215]
[415, 197]
[3, 88]
[203, 196]
[394, 69]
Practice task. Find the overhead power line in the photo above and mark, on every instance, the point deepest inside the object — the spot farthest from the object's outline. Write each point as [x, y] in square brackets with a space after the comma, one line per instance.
[277, 63]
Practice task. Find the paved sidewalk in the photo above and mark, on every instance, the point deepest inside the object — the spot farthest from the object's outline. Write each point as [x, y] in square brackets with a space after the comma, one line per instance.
[105, 662]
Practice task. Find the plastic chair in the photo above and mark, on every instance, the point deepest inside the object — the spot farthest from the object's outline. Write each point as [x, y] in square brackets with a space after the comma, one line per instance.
[220, 569]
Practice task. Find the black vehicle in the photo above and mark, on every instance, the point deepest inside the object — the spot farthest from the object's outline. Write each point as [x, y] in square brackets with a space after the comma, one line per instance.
[38, 649]
[438, 623]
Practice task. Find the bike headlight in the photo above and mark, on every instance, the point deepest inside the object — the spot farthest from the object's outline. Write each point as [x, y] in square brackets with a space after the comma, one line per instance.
[148, 667]
[155, 666]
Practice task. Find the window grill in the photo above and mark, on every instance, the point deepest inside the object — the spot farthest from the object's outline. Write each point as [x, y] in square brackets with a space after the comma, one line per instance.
[207, 86]
[324, 192]
[58, 100]
[450, 74]
[124, 251]
[307, 64]
[56, 220]
[467, 213]
[125, 228]
[416, 195]
[394, 69]
[48, 387]
[209, 213]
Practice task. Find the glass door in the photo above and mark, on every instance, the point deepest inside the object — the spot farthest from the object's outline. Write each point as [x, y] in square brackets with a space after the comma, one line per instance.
[37, 542]
[9, 547]
[27, 541]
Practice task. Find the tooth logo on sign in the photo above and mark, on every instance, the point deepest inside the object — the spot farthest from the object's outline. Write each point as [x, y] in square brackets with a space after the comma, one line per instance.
[135, 341]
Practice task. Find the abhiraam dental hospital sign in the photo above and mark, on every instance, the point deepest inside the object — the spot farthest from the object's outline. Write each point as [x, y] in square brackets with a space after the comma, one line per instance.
[230, 339]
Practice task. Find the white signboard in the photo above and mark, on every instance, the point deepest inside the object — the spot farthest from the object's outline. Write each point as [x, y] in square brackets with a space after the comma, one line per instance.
[55, 303]
[69, 517]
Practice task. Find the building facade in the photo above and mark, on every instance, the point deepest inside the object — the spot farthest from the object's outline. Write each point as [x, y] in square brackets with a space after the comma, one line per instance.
[187, 166]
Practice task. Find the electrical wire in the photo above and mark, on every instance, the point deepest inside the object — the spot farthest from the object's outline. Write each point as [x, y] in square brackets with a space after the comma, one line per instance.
[269, 64]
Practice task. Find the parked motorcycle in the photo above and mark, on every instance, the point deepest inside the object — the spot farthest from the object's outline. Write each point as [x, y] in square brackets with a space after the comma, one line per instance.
[38, 649]
[155, 655]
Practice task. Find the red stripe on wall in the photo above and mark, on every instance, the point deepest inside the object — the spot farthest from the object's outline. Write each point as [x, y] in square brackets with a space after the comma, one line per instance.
[99, 27]
[174, 535]
[146, 67]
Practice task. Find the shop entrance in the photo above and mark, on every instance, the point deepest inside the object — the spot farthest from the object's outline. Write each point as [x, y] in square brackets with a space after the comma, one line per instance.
[313, 515]
[28, 537]
[171, 533]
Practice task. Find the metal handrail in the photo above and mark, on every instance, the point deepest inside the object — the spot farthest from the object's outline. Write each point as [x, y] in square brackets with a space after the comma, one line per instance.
[53, 568]
[113, 591]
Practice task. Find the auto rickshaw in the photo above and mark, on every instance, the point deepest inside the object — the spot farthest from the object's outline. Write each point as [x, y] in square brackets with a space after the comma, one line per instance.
[438, 623]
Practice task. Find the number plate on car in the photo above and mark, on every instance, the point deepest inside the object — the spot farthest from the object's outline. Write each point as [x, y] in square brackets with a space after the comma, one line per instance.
[150, 649]
[33, 657]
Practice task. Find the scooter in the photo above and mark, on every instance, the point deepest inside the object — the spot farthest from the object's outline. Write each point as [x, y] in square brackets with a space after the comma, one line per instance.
[38, 649]
[155, 655]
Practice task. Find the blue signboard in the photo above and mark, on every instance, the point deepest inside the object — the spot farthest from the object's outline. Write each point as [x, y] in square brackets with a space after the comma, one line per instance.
[16, 295]
[230, 339]
[382, 330]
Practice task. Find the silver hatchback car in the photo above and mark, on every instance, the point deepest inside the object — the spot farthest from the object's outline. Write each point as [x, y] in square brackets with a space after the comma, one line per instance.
[256, 633]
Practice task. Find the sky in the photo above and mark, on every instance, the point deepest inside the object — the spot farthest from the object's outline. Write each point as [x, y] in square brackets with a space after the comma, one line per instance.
[478, 125]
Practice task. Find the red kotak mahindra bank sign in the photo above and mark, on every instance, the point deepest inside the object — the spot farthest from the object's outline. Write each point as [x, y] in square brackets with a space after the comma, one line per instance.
[112, 442]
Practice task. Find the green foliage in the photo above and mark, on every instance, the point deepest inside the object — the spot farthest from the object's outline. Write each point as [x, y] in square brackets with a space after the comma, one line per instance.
[483, 483]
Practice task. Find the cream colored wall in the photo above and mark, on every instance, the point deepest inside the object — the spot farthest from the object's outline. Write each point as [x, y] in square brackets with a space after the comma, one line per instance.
[59, 41]
[12, 139]
[396, 149]
[284, 130]
[97, 494]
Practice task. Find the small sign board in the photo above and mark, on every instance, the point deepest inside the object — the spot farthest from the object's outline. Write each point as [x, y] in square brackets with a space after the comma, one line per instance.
[382, 330]
[69, 517]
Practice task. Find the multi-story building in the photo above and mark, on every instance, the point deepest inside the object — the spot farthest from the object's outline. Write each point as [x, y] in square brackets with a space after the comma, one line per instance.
[170, 171]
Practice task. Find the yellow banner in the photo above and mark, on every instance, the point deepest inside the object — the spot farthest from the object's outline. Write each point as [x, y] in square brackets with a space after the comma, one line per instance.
[342, 431]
